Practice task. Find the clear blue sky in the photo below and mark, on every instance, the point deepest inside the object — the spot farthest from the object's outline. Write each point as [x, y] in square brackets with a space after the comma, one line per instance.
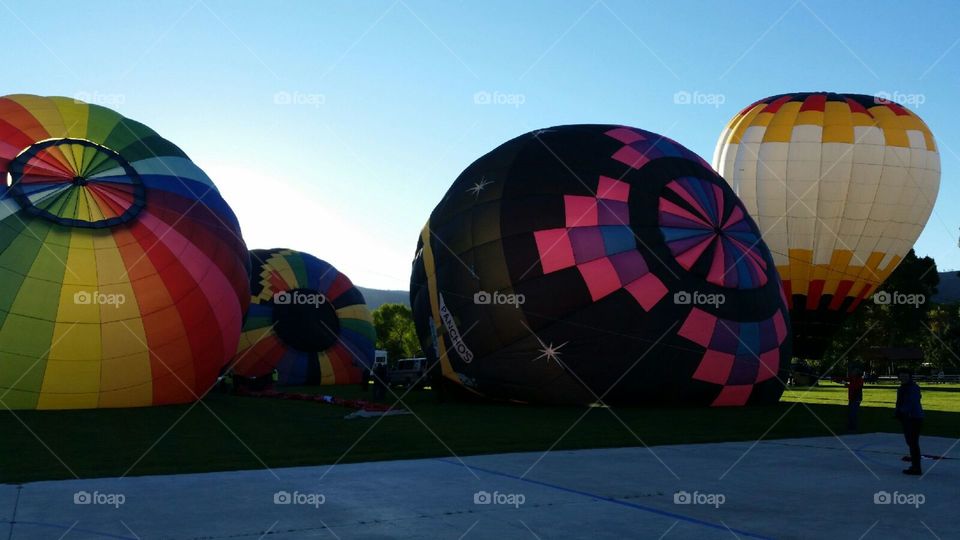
[383, 114]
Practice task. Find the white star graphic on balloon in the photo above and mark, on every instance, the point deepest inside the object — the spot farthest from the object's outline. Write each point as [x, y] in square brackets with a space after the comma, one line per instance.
[550, 352]
[479, 186]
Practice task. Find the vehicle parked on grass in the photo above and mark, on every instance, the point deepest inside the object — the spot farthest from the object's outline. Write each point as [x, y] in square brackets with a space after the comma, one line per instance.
[409, 371]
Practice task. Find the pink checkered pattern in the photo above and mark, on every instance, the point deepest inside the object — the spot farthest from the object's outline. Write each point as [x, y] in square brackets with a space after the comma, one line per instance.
[728, 359]
[604, 269]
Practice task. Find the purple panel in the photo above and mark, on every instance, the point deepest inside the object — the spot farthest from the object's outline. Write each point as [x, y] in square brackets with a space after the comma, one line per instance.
[672, 220]
[725, 335]
[768, 336]
[744, 370]
[629, 266]
[613, 212]
[587, 244]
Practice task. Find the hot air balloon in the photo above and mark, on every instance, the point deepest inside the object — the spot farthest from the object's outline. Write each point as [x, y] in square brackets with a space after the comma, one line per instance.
[590, 263]
[123, 270]
[841, 186]
[306, 320]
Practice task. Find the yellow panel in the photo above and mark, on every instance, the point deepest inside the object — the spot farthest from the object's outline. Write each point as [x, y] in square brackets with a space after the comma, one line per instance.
[326, 370]
[781, 125]
[123, 338]
[75, 115]
[358, 311]
[92, 207]
[862, 119]
[78, 304]
[70, 384]
[110, 266]
[801, 268]
[810, 118]
[838, 270]
[836, 113]
[75, 343]
[838, 134]
[83, 208]
[280, 266]
[68, 401]
[891, 266]
[118, 303]
[446, 368]
[784, 272]
[126, 365]
[252, 337]
[889, 122]
[81, 263]
[140, 395]
[751, 118]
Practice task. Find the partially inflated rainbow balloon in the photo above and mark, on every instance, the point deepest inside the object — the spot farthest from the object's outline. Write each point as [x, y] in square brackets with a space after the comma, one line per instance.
[306, 320]
[123, 276]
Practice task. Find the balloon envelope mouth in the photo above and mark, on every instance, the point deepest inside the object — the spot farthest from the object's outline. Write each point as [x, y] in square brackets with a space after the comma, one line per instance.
[305, 320]
[76, 183]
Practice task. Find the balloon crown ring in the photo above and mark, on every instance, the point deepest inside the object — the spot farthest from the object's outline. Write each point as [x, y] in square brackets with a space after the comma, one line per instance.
[76, 183]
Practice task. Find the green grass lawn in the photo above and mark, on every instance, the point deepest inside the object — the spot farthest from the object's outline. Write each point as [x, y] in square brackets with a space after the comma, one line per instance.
[936, 397]
[226, 432]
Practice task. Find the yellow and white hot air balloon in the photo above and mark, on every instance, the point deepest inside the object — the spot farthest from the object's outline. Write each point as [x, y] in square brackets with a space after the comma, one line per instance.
[841, 185]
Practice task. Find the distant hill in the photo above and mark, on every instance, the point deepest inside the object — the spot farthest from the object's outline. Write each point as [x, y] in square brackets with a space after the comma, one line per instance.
[948, 290]
[377, 297]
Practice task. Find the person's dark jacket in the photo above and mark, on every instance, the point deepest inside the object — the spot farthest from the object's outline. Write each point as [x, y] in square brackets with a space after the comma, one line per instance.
[908, 401]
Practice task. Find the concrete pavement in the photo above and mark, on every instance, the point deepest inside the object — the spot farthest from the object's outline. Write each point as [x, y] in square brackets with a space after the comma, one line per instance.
[797, 488]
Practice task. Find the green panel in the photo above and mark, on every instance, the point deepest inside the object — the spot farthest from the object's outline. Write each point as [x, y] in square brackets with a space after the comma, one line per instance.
[258, 322]
[361, 327]
[21, 378]
[37, 298]
[299, 269]
[150, 147]
[92, 158]
[10, 229]
[67, 206]
[26, 336]
[19, 255]
[100, 123]
[16, 399]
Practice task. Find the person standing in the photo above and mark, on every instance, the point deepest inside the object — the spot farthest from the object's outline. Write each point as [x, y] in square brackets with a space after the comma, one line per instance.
[854, 384]
[910, 413]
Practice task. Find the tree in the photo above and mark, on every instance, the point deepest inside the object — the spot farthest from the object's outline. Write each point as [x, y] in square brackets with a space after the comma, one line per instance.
[895, 316]
[396, 333]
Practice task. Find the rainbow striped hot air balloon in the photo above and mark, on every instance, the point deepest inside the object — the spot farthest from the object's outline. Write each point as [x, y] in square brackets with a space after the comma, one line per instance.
[123, 276]
[306, 320]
